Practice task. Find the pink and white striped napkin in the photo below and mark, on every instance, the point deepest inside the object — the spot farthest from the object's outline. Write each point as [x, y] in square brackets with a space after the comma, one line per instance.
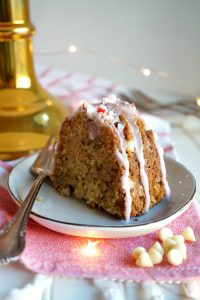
[53, 253]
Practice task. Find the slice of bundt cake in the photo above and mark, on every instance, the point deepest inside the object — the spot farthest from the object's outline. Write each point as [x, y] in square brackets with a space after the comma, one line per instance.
[108, 158]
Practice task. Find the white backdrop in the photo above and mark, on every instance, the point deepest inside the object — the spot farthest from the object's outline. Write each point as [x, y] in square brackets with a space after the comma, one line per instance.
[162, 34]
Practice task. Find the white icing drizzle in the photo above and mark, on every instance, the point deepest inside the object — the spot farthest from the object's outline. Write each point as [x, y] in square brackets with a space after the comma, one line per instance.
[130, 113]
[139, 151]
[160, 152]
[123, 158]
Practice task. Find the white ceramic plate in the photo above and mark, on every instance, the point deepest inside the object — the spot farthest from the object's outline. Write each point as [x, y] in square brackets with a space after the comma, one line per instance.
[72, 216]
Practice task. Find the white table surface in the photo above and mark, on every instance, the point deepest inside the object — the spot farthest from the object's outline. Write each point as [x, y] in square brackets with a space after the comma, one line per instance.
[186, 137]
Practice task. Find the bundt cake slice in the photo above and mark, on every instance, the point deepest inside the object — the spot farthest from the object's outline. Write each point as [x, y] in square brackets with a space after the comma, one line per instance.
[108, 158]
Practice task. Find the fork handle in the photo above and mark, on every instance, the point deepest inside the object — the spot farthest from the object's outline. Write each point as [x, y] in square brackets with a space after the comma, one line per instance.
[24, 211]
[12, 236]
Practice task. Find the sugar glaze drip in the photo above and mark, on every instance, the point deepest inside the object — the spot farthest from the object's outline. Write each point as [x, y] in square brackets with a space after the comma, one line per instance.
[113, 109]
[130, 113]
[123, 158]
[162, 166]
[121, 155]
[139, 152]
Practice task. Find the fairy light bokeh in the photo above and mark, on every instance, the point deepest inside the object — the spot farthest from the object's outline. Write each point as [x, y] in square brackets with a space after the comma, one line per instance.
[72, 49]
[145, 71]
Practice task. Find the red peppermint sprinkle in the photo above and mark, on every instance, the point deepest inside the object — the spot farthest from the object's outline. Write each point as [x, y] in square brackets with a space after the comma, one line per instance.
[101, 110]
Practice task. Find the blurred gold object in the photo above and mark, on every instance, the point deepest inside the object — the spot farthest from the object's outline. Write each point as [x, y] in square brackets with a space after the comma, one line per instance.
[28, 114]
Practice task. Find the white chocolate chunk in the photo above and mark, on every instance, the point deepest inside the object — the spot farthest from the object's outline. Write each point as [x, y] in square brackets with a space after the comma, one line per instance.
[178, 238]
[144, 260]
[188, 234]
[165, 233]
[157, 246]
[182, 248]
[175, 257]
[137, 251]
[130, 146]
[168, 244]
[132, 184]
[155, 256]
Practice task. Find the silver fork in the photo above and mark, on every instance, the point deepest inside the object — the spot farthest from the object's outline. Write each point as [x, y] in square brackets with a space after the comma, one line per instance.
[12, 236]
[186, 107]
[148, 104]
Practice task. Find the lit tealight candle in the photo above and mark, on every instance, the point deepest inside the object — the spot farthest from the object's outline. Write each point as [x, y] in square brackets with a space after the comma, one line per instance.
[90, 249]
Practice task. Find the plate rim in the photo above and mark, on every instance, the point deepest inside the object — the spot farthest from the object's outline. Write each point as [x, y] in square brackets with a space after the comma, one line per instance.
[117, 227]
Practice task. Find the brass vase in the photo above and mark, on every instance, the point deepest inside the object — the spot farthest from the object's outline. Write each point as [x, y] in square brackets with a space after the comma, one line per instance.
[28, 113]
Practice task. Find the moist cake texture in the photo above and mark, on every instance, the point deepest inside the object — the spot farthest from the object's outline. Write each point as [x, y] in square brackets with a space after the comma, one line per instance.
[107, 157]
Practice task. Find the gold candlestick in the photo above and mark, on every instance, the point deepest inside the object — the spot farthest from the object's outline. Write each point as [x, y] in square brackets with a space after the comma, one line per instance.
[28, 114]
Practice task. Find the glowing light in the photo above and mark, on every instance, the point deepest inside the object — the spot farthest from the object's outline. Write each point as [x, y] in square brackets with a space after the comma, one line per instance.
[23, 82]
[198, 101]
[90, 249]
[22, 30]
[45, 117]
[72, 49]
[146, 72]
[41, 119]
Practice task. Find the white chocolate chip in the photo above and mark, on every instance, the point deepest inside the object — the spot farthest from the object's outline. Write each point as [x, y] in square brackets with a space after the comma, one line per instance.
[157, 246]
[130, 146]
[165, 233]
[155, 256]
[172, 246]
[144, 260]
[175, 257]
[178, 238]
[182, 248]
[131, 183]
[168, 244]
[136, 252]
[188, 234]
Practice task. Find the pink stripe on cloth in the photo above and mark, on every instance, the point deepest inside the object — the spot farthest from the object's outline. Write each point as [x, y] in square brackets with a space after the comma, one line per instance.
[163, 134]
[52, 253]
[6, 166]
[59, 79]
[75, 94]
[111, 87]
[90, 80]
[169, 148]
[45, 73]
